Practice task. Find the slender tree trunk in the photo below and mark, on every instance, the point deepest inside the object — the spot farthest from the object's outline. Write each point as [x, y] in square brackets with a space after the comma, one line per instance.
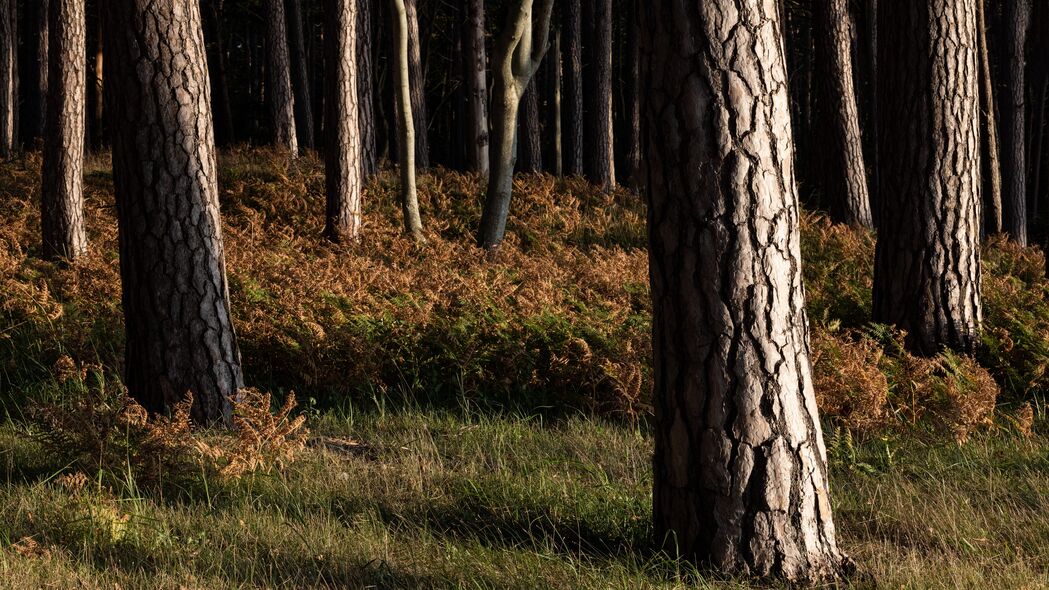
[1014, 187]
[633, 98]
[217, 68]
[927, 262]
[476, 88]
[8, 95]
[417, 88]
[741, 473]
[572, 113]
[300, 80]
[366, 90]
[599, 155]
[62, 186]
[405, 124]
[180, 338]
[991, 166]
[872, 75]
[844, 171]
[278, 69]
[557, 137]
[342, 168]
[530, 142]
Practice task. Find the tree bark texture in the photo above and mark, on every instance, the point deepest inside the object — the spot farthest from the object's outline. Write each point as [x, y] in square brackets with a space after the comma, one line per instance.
[927, 261]
[530, 140]
[844, 172]
[476, 68]
[366, 90]
[417, 87]
[740, 465]
[1016, 20]
[180, 337]
[62, 175]
[990, 163]
[599, 153]
[278, 71]
[8, 83]
[342, 168]
[406, 141]
[300, 80]
[572, 107]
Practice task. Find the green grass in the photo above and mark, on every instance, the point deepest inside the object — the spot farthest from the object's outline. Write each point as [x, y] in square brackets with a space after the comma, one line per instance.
[474, 500]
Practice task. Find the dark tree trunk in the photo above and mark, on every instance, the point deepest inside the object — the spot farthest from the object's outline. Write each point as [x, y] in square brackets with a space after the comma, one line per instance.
[530, 136]
[990, 163]
[599, 155]
[476, 68]
[417, 79]
[62, 186]
[180, 337]
[633, 100]
[278, 70]
[366, 91]
[927, 262]
[97, 89]
[1017, 18]
[872, 90]
[844, 171]
[8, 94]
[34, 78]
[217, 68]
[740, 478]
[300, 80]
[342, 167]
[555, 163]
[572, 107]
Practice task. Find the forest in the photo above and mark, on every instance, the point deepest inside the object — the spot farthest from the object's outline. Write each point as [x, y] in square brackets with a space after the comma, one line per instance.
[524, 294]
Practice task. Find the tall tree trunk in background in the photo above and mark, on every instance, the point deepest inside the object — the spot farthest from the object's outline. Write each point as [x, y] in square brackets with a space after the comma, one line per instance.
[34, 78]
[572, 113]
[599, 155]
[278, 70]
[98, 88]
[406, 141]
[1016, 20]
[300, 80]
[844, 173]
[517, 56]
[556, 161]
[180, 338]
[8, 94]
[633, 98]
[476, 69]
[990, 164]
[420, 117]
[217, 68]
[62, 174]
[530, 140]
[366, 91]
[927, 261]
[342, 167]
[740, 478]
[872, 89]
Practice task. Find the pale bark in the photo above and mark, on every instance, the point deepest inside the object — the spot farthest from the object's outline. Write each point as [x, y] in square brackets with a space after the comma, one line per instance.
[405, 122]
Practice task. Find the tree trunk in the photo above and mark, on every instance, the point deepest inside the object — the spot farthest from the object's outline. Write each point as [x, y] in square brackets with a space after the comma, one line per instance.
[740, 465]
[1017, 18]
[844, 172]
[342, 167]
[633, 99]
[366, 91]
[476, 88]
[531, 139]
[417, 86]
[180, 338]
[572, 114]
[300, 80]
[98, 88]
[278, 69]
[991, 166]
[405, 124]
[34, 79]
[599, 155]
[517, 56]
[217, 68]
[554, 111]
[8, 96]
[62, 186]
[872, 76]
[927, 262]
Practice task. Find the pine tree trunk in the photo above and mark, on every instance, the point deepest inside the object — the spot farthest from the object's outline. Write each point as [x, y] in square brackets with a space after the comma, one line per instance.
[62, 187]
[991, 165]
[417, 87]
[572, 107]
[556, 162]
[599, 157]
[98, 89]
[300, 74]
[1017, 18]
[845, 174]
[217, 68]
[927, 262]
[406, 141]
[8, 96]
[633, 99]
[278, 70]
[366, 91]
[740, 478]
[872, 75]
[34, 80]
[342, 167]
[180, 336]
[476, 88]
[530, 141]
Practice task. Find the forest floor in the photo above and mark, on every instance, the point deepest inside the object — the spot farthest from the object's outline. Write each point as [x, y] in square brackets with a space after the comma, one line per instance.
[481, 421]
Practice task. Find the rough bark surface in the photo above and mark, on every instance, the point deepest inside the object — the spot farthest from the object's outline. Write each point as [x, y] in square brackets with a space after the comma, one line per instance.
[599, 154]
[991, 166]
[420, 117]
[476, 68]
[572, 105]
[342, 169]
[740, 465]
[180, 337]
[927, 261]
[300, 74]
[62, 185]
[8, 59]
[845, 174]
[278, 71]
[530, 140]
[366, 91]
[1016, 20]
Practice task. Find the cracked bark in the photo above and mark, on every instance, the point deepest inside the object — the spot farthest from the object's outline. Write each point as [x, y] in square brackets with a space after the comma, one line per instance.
[1016, 19]
[844, 173]
[572, 113]
[278, 71]
[62, 179]
[476, 88]
[179, 333]
[927, 260]
[366, 91]
[299, 75]
[740, 479]
[8, 81]
[342, 169]
[598, 157]
[530, 140]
